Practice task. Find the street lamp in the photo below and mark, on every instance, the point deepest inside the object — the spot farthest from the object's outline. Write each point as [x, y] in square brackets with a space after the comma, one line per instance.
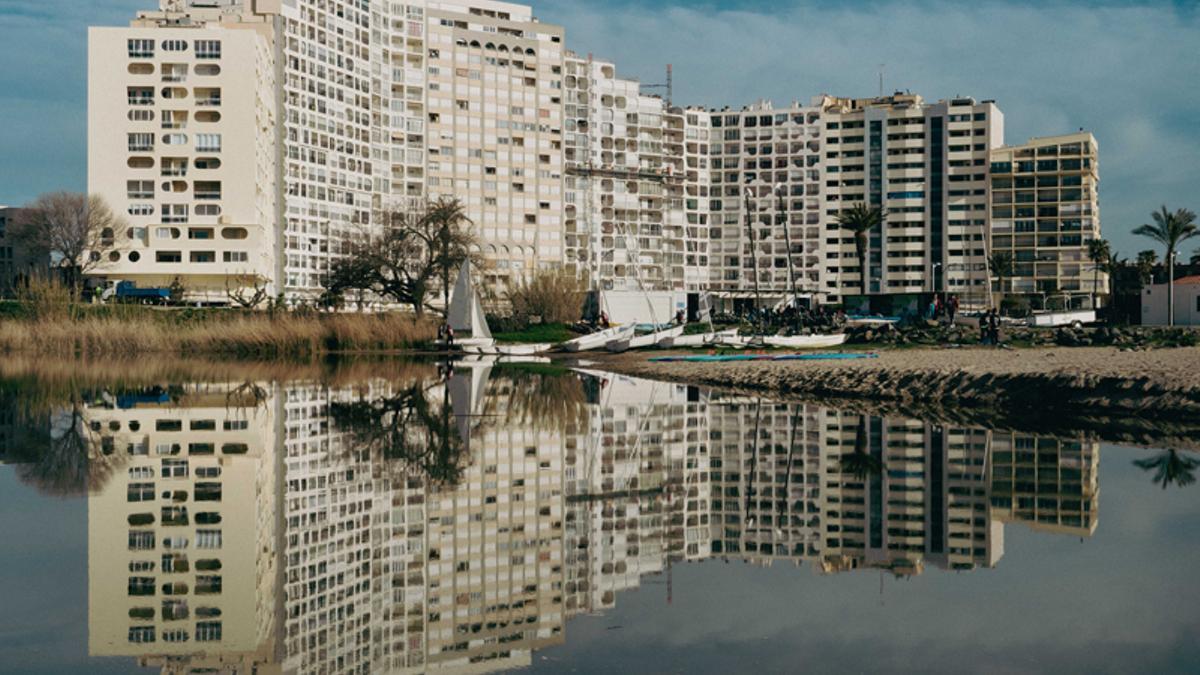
[1171, 288]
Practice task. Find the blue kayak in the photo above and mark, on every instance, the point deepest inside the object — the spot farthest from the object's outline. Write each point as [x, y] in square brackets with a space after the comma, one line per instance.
[834, 356]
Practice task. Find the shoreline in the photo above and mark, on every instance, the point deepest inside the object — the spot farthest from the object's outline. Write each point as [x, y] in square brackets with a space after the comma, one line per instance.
[1133, 397]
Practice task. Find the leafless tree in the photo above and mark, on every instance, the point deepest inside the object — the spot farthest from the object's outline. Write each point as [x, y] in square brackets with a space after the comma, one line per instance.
[74, 229]
[246, 290]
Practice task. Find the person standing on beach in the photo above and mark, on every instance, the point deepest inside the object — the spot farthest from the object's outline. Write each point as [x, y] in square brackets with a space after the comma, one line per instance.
[952, 308]
[994, 328]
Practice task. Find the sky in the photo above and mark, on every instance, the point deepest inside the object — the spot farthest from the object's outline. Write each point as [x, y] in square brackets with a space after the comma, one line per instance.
[1127, 71]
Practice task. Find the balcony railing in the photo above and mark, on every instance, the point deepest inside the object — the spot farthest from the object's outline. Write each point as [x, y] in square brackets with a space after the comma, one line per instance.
[209, 102]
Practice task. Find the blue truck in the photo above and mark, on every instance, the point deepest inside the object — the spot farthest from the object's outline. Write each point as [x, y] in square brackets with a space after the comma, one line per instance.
[128, 291]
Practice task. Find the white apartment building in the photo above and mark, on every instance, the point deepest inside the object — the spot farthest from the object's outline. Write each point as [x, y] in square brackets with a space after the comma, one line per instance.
[766, 169]
[182, 113]
[624, 225]
[926, 165]
[266, 174]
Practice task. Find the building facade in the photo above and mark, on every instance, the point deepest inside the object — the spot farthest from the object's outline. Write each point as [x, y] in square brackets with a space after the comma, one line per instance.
[343, 110]
[1045, 210]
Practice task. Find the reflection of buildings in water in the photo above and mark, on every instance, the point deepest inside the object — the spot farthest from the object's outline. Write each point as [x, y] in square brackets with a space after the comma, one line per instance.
[182, 551]
[257, 532]
[1046, 483]
[924, 500]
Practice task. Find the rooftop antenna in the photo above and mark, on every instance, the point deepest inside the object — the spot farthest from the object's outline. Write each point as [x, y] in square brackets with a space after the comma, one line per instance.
[882, 66]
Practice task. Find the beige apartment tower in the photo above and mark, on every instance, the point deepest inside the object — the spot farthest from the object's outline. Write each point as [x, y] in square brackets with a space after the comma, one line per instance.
[1045, 210]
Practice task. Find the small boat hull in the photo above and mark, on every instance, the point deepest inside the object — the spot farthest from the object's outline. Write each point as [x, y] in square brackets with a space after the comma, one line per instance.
[699, 340]
[598, 339]
[517, 349]
[643, 341]
[806, 341]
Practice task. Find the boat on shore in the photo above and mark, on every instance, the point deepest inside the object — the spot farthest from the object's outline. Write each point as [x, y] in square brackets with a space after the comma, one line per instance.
[499, 349]
[652, 339]
[598, 340]
[699, 339]
[465, 316]
[806, 341]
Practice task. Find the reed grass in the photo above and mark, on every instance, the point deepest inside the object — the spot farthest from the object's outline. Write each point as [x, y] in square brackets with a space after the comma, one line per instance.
[55, 332]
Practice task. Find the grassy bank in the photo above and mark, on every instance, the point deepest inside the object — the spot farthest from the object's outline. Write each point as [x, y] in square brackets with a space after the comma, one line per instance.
[137, 330]
[549, 332]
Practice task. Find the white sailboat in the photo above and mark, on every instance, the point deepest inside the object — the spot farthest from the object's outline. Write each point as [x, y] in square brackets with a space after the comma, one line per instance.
[471, 331]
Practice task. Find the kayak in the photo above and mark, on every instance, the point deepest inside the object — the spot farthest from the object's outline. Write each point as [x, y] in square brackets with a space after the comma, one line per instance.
[725, 358]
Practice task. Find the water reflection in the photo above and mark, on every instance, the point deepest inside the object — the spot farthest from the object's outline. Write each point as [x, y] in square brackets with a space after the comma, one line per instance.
[460, 519]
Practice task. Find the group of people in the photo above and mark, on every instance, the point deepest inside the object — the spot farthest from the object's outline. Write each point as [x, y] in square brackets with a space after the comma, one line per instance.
[943, 307]
[989, 328]
[446, 335]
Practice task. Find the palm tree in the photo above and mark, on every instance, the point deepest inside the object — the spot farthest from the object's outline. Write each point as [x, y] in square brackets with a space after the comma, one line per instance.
[1170, 230]
[860, 219]
[450, 239]
[861, 463]
[1170, 467]
[1002, 266]
[1099, 251]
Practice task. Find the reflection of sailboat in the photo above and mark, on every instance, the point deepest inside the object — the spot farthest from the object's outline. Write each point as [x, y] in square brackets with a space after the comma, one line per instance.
[466, 387]
[465, 316]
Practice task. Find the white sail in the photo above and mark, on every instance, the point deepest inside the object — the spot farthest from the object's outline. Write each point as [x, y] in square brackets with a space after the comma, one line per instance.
[466, 312]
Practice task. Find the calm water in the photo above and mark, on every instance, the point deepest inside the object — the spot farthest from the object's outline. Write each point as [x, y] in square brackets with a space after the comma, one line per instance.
[493, 517]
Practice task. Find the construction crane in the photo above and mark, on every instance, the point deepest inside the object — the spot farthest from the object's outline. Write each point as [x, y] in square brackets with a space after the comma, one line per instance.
[669, 86]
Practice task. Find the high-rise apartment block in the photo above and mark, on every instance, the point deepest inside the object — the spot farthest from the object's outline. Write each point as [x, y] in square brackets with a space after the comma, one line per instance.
[340, 110]
[1045, 208]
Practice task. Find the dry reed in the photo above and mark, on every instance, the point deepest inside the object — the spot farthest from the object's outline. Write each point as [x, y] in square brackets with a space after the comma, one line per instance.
[49, 332]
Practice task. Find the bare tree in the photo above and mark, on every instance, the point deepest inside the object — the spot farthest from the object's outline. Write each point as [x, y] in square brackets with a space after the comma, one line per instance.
[246, 290]
[75, 229]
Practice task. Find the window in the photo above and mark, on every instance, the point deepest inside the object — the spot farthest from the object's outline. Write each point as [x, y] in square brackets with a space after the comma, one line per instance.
[141, 142]
[141, 634]
[208, 584]
[208, 49]
[140, 189]
[208, 142]
[208, 209]
[174, 45]
[141, 586]
[175, 610]
[168, 256]
[140, 95]
[140, 115]
[208, 492]
[174, 213]
[174, 468]
[210, 539]
[202, 256]
[208, 631]
[174, 139]
[140, 492]
[141, 49]
[141, 541]
[235, 257]
[210, 189]
[174, 516]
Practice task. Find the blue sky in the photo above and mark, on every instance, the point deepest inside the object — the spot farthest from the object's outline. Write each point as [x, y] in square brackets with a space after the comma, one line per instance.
[1126, 71]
